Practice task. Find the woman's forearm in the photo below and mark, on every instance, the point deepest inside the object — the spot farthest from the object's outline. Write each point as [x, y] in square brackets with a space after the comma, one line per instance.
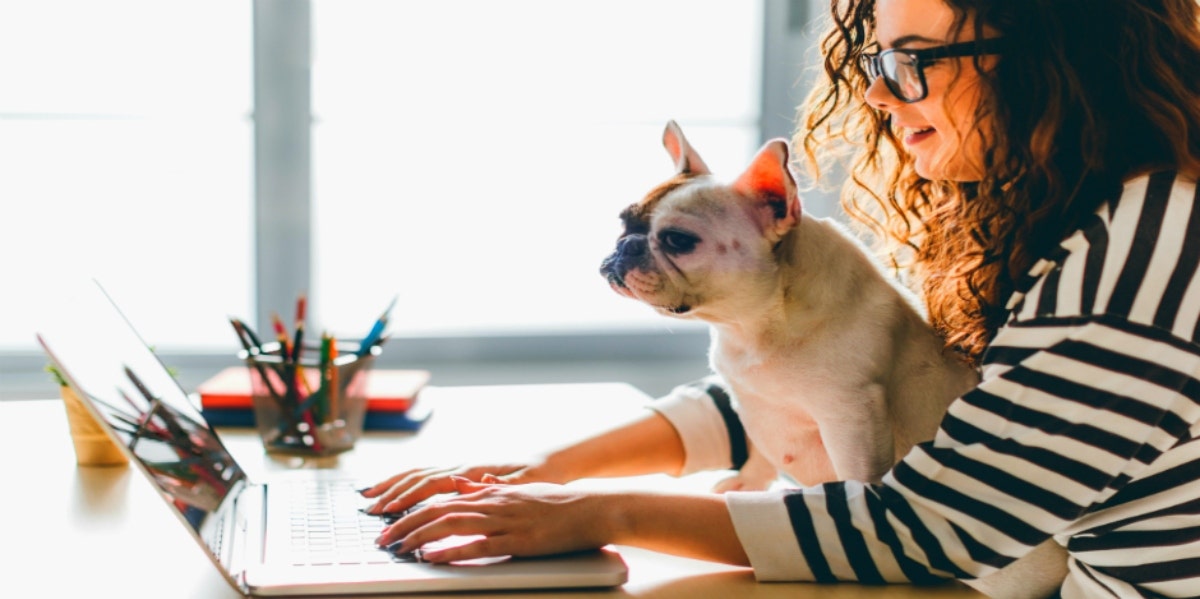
[646, 445]
[695, 526]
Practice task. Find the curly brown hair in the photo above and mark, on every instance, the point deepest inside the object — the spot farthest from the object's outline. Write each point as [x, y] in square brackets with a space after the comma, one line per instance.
[1086, 94]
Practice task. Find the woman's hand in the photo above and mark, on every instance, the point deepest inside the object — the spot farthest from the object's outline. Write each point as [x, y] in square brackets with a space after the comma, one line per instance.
[646, 444]
[523, 520]
[406, 489]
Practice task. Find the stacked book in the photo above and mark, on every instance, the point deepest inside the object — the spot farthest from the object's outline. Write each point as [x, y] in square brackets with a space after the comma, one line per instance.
[225, 399]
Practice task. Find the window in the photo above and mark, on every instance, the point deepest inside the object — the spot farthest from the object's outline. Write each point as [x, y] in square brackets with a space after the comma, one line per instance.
[472, 155]
[125, 140]
[467, 156]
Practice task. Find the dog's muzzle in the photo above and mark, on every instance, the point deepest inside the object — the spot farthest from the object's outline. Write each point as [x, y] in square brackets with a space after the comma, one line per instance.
[632, 251]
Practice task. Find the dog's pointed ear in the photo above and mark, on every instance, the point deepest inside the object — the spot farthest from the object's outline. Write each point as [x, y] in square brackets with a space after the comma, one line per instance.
[769, 180]
[687, 161]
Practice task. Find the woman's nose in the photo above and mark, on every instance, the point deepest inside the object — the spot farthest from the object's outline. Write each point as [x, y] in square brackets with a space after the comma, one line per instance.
[878, 96]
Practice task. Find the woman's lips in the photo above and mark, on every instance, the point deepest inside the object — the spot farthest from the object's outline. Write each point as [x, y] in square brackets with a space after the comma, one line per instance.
[917, 136]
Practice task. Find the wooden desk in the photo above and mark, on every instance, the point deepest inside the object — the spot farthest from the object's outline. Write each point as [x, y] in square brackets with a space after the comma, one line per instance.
[71, 531]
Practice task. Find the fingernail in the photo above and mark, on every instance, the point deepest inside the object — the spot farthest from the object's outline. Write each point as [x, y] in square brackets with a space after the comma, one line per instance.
[396, 547]
[363, 490]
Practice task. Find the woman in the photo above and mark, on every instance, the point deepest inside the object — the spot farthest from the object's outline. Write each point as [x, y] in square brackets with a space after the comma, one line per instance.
[1035, 161]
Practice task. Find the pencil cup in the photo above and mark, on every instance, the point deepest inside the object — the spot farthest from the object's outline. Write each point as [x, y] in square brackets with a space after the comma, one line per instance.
[93, 446]
[306, 407]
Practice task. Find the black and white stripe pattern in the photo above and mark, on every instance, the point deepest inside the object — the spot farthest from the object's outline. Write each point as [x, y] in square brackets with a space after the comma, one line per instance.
[1082, 430]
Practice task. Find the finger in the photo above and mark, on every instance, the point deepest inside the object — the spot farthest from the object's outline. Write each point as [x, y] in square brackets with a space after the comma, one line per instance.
[422, 490]
[456, 524]
[383, 485]
[401, 528]
[395, 485]
[433, 524]
[405, 485]
[478, 472]
[490, 479]
[479, 548]
[464, 486]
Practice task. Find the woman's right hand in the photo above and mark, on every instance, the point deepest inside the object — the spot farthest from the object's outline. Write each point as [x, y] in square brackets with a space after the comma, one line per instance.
[406, 489]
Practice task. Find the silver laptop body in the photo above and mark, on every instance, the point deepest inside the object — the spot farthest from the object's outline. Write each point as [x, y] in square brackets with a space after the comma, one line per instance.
[245, 528]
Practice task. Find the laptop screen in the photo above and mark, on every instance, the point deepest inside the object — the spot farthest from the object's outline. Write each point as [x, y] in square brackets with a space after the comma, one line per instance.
[106, 361]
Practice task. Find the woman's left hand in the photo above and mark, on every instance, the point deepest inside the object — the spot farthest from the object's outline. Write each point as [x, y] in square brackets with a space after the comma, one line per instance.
[518, 520]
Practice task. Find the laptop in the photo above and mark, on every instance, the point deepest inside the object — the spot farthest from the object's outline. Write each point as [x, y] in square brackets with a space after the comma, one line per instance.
[301, 536]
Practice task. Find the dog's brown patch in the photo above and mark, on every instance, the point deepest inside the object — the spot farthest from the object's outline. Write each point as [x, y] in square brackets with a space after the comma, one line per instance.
[637, 216]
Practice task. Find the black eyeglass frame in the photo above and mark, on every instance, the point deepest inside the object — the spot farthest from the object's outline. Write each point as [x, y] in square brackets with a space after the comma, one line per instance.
[872, 62]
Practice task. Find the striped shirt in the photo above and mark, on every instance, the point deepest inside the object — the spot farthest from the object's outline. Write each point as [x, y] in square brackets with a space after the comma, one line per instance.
[1083, 430]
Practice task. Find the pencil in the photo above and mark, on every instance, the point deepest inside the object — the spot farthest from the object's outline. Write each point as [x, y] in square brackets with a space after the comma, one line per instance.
[333, 393]
[377, 329]
[323, 369]
[288, 370]
[296, 341]
[281, 336]
[301, 306]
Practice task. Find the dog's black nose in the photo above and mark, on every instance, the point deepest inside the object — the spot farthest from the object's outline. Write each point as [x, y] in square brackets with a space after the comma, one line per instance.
[632, 247]
[630, 251]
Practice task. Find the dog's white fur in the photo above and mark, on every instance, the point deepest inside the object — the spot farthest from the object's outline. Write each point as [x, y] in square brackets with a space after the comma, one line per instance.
[834, 370]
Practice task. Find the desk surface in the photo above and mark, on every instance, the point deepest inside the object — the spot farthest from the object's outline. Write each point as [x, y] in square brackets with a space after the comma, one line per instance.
[68, 530]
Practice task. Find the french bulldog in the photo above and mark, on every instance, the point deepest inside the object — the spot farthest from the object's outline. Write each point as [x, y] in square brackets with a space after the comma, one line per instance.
[833, 369]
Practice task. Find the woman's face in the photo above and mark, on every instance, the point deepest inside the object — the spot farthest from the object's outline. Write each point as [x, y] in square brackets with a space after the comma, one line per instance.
[938, 131]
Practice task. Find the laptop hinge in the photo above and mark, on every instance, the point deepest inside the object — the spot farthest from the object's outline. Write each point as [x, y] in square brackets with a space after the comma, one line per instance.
[244, 533]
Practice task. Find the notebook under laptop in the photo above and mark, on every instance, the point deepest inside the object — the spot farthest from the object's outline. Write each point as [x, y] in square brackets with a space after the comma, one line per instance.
[244, 526]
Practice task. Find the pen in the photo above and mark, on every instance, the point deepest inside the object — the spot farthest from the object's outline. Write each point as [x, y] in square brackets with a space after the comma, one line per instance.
[254, 340]
[248, 341]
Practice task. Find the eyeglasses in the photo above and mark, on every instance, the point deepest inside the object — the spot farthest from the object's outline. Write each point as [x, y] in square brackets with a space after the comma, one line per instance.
[904, 70]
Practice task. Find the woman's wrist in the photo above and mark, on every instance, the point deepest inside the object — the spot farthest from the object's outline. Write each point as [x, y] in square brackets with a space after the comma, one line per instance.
[555, 467]
[615, 513]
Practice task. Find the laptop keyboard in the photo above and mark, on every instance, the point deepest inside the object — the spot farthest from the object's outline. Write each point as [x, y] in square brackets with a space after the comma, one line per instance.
[329, 528]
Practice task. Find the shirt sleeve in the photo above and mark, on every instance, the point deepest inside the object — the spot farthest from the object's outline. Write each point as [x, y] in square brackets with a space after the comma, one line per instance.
[704, 415]
[1068, 412]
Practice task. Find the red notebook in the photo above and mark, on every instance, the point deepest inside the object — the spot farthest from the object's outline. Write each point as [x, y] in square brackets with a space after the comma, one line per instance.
[387, 390]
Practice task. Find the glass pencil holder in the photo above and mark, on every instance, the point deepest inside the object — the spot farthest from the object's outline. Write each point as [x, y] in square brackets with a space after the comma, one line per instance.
[307, 406]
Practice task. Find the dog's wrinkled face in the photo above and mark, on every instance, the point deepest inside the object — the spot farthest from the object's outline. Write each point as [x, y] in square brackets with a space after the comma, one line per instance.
[683, 244]
[695, 247]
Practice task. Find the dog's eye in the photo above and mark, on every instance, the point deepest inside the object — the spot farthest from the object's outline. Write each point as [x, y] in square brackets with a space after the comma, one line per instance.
[677, 242]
